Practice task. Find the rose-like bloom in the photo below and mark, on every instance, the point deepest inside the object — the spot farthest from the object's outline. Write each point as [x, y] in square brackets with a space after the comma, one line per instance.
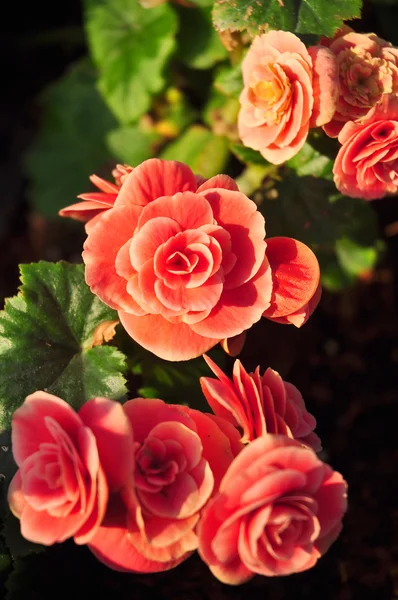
[259, 404]
[367, 163]
[296, 288]
[279, 508]
[368, 69]
[96, 203]
[180, 458]
[287, 90]
[68, 463]
[185, 264]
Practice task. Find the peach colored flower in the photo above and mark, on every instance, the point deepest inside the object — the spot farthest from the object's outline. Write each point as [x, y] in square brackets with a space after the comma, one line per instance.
[185, 266]
[259, 404]
[296, 288]
[278, 510]
[96, 203]
[180, 458]
[367, 163]
[287, 90]
[368, 69]
[67, 464]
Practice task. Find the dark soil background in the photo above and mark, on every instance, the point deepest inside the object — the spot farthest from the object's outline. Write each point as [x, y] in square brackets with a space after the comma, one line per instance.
[344, 361]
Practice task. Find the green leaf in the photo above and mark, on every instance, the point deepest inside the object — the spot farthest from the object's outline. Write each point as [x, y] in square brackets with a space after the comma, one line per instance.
[247, 155]
[311, 162]
[45, 337]
[131, 46]
[324, 17]
[133, 145]
[176, 383]
[229, 80]
[355, 258]
[320, 17]
[70, 145]
[199, 45]
[201, 150]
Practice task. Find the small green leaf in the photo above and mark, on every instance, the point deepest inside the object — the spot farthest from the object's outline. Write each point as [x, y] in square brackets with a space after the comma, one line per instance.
[354, 258]
[319, 17]
[311, 162]
[176, 383]
[132, 145]
[131, 46]
[199, 45]
[45, 337]
[200, 149]
[247, 155]
[70, 145]
[229, 80]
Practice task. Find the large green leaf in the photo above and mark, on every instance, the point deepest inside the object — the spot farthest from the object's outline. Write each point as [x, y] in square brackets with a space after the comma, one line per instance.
[199, 45]
[46, 334]
[131, 46]
[321, 17]
[70, 145]
[199, 148]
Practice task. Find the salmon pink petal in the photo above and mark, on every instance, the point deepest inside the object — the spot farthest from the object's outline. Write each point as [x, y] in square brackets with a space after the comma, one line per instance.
[153, 234]
[29, 426]
[325, 83]
[105, 186]
[41, 528]
[179, 501]
[123, 265]
[155, 178]
[114, 437]
[220, 443]
[189, 210]
[112, 546]
[114, 229]
[233, 346]
[83, 211]
[100, 495]
[145, 414]
[189, 441]
[239, 308]
[295, 275]
[16, 498]
[219, 181]
[332, 500]
[171, 341]
[246, 226]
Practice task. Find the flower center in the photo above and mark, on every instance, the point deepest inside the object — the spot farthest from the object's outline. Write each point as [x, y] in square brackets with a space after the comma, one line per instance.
[154, 470]
[270, 93]
[180, 264]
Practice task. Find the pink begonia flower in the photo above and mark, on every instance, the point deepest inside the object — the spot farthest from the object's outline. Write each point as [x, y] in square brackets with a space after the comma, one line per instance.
[180, 458]
[96, 203]
[68, 462]
[368, 69]
[259, 404]
[296, 288]
[287, 90]
[186, 266]
[278, 510]
[367, 163]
